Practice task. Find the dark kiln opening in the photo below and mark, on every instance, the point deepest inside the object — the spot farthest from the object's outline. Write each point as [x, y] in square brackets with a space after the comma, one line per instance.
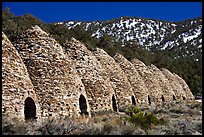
[83, 105]
[162, 98]
[184, 98]
[133, 100]
[30, 109]
[149, 101]
[114, 103]
[174, 98]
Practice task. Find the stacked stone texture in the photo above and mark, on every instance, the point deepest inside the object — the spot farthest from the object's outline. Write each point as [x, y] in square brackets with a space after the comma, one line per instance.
[164, 83]
[118, 78]
[55, 81]
[94, 77]
[152, 83]
[185, 87]
[139, 88]
[176, 86]
[16, 84]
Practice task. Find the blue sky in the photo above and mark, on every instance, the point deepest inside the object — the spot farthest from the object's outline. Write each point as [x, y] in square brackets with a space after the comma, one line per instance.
[91, 11]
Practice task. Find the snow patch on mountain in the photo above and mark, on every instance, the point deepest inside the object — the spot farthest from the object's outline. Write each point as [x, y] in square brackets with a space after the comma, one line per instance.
[148, 33]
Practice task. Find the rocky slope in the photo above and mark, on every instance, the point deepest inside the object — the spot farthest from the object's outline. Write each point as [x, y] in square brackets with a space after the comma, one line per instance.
[151, 34]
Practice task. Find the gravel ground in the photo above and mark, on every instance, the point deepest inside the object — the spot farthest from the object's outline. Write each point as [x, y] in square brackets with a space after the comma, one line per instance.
[183, 118]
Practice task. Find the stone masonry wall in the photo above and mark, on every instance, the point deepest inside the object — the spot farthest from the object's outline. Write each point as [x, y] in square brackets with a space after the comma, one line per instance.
[94, 77]
[119, 80]
[56, 83]
[139, 88]
[164, 83]
[154, 88]
[16, 84]
[185, 87]
[177, 88]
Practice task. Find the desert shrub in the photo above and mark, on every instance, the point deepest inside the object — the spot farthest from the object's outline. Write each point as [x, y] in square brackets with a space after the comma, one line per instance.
[161, 110]
[93, 129]
[15, 126]
[57, 126]
[127, 130]
[141, 118]
[132, 110]
[195, 105]
[175, 110]
[107, 128]
[53, 126]
[102, 112]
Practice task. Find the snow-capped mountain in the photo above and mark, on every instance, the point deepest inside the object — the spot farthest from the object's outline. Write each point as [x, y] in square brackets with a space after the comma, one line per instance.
[150, 34]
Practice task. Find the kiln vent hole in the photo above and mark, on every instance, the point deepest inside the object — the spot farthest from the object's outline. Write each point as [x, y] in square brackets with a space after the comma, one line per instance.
[83, 105]
[114, 105]
[30, 109]
[133, 100]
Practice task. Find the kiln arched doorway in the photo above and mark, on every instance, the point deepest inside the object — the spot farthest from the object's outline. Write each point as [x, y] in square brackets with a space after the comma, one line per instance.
[149, 100]
[174, 98]
[162, 98]
[83, 105]
[184, 98]
[30, 109]
[133, 101]
[114, 105]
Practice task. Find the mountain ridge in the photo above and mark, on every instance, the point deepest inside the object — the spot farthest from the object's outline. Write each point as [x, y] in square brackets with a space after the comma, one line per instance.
[117, 18]
[127, 29]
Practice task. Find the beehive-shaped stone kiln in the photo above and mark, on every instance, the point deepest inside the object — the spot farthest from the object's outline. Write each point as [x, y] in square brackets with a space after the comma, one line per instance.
[119, 80]
[101, 96]
[18, 95]
[57, 85]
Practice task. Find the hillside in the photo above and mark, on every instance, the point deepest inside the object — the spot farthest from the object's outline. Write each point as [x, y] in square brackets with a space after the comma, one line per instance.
[148, 33]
